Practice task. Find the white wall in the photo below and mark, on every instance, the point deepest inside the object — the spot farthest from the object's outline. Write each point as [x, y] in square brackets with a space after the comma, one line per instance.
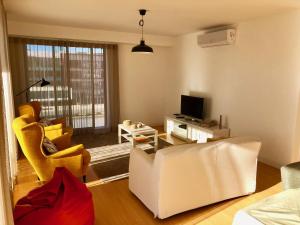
[143, 80]
[142, 77]
[74, 33]
[254, 84]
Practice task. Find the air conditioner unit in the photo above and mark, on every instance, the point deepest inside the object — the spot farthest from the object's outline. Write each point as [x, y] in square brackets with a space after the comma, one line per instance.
[217, 38]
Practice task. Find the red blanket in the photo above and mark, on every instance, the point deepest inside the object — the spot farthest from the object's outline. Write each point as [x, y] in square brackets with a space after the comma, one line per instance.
[64, 200]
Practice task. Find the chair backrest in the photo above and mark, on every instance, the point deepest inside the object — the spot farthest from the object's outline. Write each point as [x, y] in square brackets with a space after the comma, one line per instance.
[30, 136]
[37, 109]
[32, 108]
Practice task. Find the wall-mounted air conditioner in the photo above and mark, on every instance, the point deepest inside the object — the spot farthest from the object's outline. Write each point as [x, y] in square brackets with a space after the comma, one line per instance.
[217, 38]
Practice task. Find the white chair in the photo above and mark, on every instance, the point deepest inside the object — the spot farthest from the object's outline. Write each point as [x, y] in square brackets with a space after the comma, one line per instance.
[184, 177]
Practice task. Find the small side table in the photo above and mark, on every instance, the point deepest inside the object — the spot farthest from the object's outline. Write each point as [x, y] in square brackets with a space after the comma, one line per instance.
[149, 134]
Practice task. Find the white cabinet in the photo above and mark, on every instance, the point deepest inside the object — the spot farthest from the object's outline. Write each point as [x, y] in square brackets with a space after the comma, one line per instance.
[191, 130]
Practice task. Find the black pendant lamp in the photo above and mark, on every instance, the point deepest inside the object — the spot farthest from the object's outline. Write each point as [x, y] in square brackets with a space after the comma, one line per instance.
[142, 47]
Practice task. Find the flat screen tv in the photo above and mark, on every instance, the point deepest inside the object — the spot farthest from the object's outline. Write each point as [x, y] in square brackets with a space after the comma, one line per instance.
[192, 106]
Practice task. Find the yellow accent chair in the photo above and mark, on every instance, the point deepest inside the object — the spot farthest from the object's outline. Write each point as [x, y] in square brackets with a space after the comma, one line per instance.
[57, 129]
[30, 135]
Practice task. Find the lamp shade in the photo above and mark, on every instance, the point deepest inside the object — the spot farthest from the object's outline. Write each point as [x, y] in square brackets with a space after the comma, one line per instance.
[142, 48]
[44, 83]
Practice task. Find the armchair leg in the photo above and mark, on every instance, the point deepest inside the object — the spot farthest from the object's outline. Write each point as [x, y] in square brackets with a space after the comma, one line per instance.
[84, 178]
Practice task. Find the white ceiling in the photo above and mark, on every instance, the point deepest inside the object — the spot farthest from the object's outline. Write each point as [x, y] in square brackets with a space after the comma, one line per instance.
[166, 17]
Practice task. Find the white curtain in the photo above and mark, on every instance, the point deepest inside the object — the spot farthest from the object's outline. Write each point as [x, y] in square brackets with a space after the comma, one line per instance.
[83, 80]
[7, 142]
[9, 111]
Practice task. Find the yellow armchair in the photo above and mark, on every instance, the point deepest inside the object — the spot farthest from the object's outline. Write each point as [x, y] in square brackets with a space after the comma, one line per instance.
[30, 136]
[34, 108]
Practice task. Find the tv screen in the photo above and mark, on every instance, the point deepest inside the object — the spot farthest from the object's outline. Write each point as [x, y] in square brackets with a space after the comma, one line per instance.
[192, 106]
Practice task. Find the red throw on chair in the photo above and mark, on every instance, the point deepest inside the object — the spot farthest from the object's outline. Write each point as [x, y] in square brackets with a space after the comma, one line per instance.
[64, 200]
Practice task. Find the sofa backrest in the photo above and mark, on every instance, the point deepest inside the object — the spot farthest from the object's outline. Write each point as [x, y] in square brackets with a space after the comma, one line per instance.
[222, 168]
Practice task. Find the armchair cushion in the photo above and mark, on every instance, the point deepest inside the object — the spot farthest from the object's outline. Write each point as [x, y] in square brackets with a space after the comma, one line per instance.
[53, 131]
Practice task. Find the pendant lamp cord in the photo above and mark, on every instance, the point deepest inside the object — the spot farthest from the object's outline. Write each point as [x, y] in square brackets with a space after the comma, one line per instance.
[141, 23]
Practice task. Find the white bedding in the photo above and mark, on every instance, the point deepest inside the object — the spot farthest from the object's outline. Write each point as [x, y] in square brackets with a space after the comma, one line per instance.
[243, 218]
[280, 209]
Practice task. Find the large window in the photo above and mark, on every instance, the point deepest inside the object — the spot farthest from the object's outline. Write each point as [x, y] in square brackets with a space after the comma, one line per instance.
[77, 87]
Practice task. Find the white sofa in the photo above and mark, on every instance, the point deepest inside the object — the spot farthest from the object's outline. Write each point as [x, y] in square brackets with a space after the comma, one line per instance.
[184, 177]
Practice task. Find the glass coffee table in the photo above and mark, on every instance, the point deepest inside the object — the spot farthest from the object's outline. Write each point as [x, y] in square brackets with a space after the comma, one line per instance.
[137, 136]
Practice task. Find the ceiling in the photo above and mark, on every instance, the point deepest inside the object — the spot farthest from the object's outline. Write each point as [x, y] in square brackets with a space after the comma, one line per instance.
[166, 17]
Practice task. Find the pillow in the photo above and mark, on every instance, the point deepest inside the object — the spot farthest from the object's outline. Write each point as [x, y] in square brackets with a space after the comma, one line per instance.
[49, 147]
[45, 122]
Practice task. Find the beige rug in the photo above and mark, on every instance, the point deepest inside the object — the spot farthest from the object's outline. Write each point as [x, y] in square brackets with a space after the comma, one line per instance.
[113, 152]
[111, 162]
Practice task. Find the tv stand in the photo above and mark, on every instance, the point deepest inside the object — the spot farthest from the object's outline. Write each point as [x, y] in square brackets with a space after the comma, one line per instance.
[190, 129]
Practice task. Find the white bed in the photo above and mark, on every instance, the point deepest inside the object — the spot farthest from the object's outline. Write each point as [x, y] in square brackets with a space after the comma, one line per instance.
[280, 209]
[243, 218]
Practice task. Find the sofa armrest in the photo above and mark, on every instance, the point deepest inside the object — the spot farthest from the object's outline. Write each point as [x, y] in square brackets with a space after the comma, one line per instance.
[142, 156]
[74, 150]
[140, 164]
[141, 180]
[74, 163]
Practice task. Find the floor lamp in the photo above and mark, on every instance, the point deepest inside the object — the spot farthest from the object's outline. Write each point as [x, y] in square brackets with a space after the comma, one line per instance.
[42, 81]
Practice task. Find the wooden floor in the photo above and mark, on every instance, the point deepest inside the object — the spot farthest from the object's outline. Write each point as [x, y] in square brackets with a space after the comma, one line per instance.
[115, 205]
